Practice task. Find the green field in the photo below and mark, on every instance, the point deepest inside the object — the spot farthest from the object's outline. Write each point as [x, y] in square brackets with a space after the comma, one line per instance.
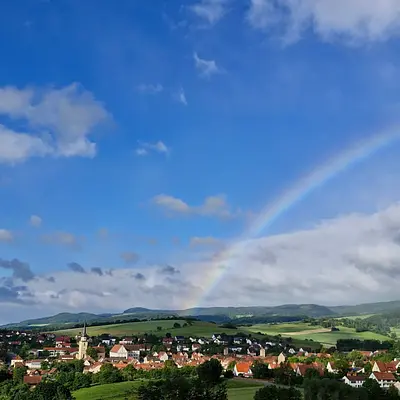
[199, 328]
[302, 331]
[113, 391]
[237, 390]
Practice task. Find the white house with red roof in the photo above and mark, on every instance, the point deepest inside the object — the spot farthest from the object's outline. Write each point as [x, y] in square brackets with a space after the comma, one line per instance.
[385, 379]
[243, 368]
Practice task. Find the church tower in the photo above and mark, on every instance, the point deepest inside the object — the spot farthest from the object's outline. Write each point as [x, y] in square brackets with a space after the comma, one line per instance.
[83, 343]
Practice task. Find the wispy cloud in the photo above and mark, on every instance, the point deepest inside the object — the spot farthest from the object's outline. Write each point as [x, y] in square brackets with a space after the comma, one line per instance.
[350, 20]
[6, 235]
[35, 221]
[130, 257]
[180, 97]
[157, 147]
[206, 241]
[206, 68]
[58, 122]
[150, 88]
[65, 239]
[210, 11]
[213, 206]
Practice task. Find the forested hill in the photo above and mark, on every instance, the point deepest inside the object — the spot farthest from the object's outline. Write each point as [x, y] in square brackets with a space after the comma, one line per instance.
[224, 314]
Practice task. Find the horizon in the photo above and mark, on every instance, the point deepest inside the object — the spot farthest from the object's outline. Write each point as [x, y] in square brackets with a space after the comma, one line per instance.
[197, 154]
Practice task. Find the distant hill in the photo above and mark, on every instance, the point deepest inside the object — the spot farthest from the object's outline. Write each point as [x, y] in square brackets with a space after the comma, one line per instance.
[367, 308]
[217, 314]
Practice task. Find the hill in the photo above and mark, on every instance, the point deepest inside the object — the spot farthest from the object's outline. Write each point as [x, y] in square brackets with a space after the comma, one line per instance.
[242, 315]
[367, 308]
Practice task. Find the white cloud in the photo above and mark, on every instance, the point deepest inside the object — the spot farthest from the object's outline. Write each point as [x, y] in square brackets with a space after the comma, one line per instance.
[347, 260]
[205, 67]
[146, 147]
[150, 88]
[58, 122]
[6, 235]
[210, 10]
[180, 97]
[206, 241]
[35, 221]
[213, 206]
[353, 20]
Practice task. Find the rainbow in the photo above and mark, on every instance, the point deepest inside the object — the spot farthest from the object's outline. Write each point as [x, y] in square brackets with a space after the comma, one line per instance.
[295, 194]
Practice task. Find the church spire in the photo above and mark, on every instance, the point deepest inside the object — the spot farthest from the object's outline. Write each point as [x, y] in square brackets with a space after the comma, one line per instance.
[84, 329]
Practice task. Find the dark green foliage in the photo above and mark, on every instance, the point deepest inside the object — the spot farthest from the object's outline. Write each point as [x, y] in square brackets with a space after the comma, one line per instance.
[18, 374]
[328, 389]
[181, 389]
[108, 374]
[210, 371]
[286, 376]
[51, 390]
[275, 393]
[261, 370]
[91, 352]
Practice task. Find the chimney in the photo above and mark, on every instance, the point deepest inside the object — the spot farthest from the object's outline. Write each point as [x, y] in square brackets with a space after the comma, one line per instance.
[226, 351]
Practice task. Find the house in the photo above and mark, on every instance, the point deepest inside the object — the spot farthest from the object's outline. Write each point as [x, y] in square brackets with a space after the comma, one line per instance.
[125, 351]
[127, 340]
[168, 342]
[60, 351]
[355, 381]
[196, 346]
[34, 364]
[179, 339]
[302, 369]
[100, 350]
[109, 341]
[385, 379]
[17, 362]
[32, 380]
[331, 367]
[281, 358]
[163, 356]
[237, 340]
[243, 369]
[380, 366]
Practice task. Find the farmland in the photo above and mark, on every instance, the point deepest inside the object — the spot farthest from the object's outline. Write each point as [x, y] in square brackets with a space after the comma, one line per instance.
[198, 328]
[237, 390]
[303, 334]
[303, 331]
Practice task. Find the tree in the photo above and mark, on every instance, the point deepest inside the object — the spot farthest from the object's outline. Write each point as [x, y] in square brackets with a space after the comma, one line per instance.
[274, 393]
[373, 389]
[24, 351]
[129, 373]
[91, 352]
[159, 328]
[176, 325]
[210, 372]
[368, 368]
[261, 370]
[312, 373]
[18, 374]
[51, 390]
[44, 365]
[108, 374]
[393, 393]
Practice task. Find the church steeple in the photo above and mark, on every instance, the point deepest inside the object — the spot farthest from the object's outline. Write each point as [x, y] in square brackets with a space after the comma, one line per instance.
[83, 343]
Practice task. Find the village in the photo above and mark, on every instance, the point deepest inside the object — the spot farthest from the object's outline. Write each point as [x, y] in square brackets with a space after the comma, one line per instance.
[241, 357]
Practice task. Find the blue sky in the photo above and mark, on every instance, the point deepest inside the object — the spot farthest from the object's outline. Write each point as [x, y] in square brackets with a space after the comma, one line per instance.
[135, 136]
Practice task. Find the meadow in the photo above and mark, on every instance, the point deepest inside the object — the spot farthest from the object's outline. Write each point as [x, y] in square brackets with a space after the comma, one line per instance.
[237, 390]
[198, 328]
[302, 331]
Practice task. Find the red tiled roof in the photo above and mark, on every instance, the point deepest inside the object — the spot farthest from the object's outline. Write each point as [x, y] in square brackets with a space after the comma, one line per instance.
[356, 378]
[243, 367]
[32, 379]
[384, 376]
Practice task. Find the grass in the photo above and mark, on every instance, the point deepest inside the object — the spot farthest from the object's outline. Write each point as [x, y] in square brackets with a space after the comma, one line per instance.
[198, 328]
[237, 390]
[301, 331]
[113, 391]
